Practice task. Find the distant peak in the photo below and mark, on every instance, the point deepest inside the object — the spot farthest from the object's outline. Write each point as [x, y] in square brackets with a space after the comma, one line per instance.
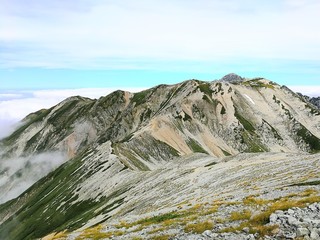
[232, 77]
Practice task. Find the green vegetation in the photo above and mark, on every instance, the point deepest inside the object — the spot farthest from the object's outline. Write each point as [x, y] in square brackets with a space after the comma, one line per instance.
[276, 100]
[187, 117]
[205, 88]
[141, 97]
[219, 86]
[225, 152]
[63, 113]
[127, 138]
[180, 88]
[287, 112]
[309, 138]
[169, 96]
[313, 110]
[45, 198]
[195, 146]
[130, 155]
[311, 183]
[36, 140]
[32, 118]
[254, 148]
[257, 83]
[161, 218]
[146, 115]
[182, 218]
[137, 150]
[274, 131]
[207, 99]
[253, 143]
[210, 164]
[244, 122]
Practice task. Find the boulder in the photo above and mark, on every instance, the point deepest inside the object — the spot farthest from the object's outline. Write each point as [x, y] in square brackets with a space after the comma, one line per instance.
[301, 232]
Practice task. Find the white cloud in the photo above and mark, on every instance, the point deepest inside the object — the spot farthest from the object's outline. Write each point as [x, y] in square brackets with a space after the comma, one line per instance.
[18, 174]
[19, 104]
[7, 125]
[98, 32]
[312, 91]
[4, 96]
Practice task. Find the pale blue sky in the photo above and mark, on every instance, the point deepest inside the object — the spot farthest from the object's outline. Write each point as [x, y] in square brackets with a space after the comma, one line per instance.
[107, 43]
[53, 49]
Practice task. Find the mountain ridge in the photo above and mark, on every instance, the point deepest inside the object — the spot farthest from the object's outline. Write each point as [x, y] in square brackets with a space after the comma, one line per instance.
[124, 140]
[127, 101]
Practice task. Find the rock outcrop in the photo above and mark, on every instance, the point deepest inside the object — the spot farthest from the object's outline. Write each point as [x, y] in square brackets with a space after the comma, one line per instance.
[298, 222]
[295, 223]
[232, 78]
[315, 101]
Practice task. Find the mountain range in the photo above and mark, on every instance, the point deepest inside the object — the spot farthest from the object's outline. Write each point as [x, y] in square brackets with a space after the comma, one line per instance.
[161, 163]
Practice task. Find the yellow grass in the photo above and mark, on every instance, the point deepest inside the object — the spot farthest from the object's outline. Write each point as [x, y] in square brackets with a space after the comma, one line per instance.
[198, 227]
[236, 216]
[161, 237]
[251, 200]
[56, 236]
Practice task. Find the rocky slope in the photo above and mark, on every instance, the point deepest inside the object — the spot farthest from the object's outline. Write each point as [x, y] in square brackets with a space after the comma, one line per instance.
[315, 101]
[167, 150]
[219, 118]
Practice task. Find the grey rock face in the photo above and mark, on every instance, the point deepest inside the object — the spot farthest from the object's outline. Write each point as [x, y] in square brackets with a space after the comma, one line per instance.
[232, 77]
[315, 101]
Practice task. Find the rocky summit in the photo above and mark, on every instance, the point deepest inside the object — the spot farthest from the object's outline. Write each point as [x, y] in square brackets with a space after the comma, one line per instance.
[232, 77]
[235, 158]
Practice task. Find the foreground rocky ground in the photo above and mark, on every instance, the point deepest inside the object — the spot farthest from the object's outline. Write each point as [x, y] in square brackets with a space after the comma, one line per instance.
[295, 223]
[248, 196]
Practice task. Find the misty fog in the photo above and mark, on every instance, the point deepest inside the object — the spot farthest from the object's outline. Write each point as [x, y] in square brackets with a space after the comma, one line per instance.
[18, 174]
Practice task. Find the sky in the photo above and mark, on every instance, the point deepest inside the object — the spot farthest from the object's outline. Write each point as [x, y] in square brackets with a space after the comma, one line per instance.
[93, 47]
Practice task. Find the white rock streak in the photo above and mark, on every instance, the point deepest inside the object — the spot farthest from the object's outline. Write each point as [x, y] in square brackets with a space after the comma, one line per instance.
[249, 98]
